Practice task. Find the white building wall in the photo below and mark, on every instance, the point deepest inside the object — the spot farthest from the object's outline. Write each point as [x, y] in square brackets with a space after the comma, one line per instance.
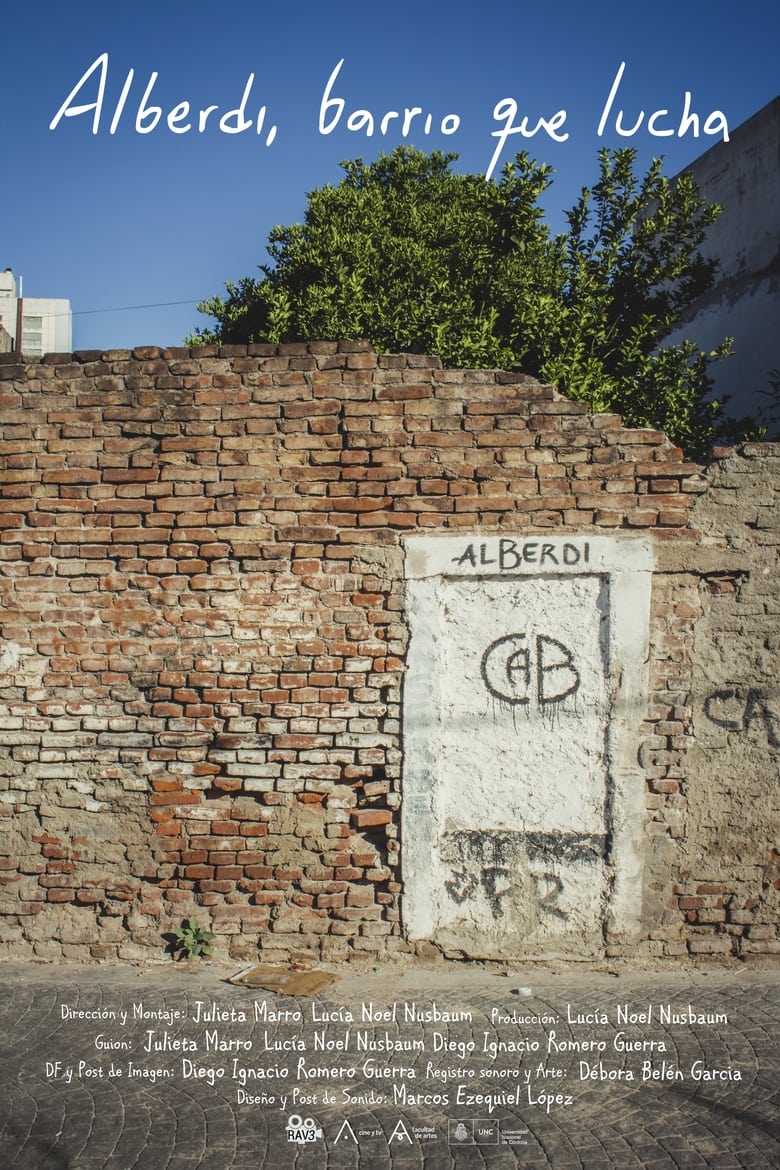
[47, 324]
[743, 176]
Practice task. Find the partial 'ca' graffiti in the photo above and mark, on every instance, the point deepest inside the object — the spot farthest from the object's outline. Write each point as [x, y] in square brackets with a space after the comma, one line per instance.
[517, 668]
[739, 708]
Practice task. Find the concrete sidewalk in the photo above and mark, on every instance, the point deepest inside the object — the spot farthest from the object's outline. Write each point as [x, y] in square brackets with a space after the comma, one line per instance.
[164, 1068]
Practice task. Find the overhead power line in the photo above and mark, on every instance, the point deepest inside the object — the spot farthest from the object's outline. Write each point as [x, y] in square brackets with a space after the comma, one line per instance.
[128, 308]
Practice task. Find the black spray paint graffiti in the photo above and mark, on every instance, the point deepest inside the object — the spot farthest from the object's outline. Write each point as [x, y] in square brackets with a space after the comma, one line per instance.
[737, 710]
[511, 670]
[497, 864]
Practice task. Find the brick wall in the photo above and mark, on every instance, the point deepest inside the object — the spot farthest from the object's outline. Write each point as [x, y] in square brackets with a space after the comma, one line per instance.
[202, 634]
[729, 884]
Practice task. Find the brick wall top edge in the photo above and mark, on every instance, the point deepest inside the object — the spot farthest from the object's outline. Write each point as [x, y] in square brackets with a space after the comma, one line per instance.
[17, 373]
[750, 450]
[251, 349]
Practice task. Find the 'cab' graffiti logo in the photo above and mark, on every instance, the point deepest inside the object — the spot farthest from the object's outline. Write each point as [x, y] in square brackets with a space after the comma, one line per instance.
[513, 670]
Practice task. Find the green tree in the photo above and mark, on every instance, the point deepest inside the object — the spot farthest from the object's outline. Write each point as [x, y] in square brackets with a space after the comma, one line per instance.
[418, 258]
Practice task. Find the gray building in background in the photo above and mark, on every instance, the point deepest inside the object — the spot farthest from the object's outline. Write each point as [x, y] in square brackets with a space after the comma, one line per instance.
[46, 321]
[743, 175]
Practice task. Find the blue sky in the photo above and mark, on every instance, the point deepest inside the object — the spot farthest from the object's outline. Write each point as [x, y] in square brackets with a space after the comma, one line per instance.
[136, 218]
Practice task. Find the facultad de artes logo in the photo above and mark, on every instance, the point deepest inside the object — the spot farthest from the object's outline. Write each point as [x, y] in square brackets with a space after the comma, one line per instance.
[302, 1130]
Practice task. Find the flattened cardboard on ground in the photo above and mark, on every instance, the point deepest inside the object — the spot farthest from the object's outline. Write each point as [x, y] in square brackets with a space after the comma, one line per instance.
[282, 980]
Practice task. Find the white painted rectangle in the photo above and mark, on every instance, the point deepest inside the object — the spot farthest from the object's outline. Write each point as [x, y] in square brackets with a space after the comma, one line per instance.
[515, 777]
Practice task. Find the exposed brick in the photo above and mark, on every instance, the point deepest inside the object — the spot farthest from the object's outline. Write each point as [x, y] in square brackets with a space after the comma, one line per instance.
[203, 568]
[364, 818]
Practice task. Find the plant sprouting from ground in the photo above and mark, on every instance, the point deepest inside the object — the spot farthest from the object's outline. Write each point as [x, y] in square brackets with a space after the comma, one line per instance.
[191, 940]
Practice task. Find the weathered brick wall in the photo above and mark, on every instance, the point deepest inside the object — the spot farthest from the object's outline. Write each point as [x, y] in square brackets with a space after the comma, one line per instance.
[202, 636]
[729, 889]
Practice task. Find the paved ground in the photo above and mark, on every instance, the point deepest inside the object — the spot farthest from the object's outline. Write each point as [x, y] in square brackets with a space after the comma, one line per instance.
[163, 1068]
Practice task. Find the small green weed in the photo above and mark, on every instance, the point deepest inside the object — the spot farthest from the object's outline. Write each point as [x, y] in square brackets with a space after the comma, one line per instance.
[191, 940]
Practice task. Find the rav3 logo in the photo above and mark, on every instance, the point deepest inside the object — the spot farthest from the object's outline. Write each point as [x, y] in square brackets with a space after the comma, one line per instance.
[302, 1130]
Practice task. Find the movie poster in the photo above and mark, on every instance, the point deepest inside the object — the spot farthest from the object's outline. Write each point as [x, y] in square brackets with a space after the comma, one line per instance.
[150, 150]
